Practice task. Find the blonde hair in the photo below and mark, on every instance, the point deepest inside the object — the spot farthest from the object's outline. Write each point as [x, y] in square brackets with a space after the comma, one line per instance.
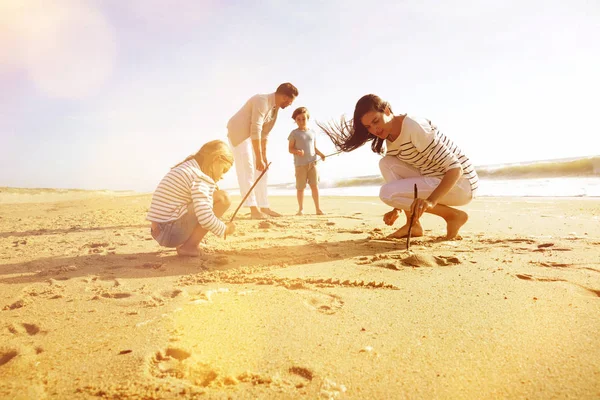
[213, 152]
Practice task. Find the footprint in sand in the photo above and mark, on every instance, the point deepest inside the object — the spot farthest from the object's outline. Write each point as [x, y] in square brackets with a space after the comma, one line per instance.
[181, 364]
[19, 353]
[6, 355]
[95, 248]
[18, 368]
[24, 328]
[18, 303]
[51, 289]
[151, 265]
[265, 225]
[219, 260]
[322, 302]
[300, 376]
[108, 288]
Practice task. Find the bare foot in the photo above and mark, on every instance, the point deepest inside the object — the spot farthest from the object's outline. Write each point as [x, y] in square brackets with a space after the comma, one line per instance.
[455, 223]
[184, 252]
[320, 212]
[300, 212]
[417, 231]
[270, 212]
[258, 215]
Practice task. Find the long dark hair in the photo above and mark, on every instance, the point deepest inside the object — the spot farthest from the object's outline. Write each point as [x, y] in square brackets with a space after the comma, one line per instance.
[348, 135]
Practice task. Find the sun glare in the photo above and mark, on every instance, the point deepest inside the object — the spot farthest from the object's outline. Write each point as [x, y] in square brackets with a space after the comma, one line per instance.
[67, 48]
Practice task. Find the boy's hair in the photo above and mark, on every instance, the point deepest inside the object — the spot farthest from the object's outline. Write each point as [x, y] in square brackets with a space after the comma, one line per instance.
[211, 153]
[287, 89]
[300, 110]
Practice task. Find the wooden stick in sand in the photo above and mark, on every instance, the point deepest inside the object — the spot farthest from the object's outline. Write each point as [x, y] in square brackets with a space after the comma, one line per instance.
[412, 219]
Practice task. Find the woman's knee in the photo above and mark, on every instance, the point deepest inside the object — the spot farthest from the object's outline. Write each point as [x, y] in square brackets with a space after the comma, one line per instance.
[385, 163]
[385, 194]
[390, 196]
[221, 197]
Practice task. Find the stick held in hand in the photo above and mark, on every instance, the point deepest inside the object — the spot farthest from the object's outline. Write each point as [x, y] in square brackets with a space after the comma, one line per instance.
[412, 219]
[249, 191]
[333, 154]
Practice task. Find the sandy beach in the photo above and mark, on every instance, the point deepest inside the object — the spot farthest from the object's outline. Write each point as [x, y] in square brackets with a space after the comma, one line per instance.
[300, 306]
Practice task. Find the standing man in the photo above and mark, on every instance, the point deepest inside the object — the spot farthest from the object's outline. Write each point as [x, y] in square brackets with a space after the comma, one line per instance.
[247, 131]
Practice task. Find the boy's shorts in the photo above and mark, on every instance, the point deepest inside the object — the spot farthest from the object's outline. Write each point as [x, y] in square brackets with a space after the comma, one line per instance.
[306, 173]
[175, 233]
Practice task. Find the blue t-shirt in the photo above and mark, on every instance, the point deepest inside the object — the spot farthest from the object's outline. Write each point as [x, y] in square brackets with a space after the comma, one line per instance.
[304, 140]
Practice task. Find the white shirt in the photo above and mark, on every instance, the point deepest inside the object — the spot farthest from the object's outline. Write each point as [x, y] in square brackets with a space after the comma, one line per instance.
[254, 120]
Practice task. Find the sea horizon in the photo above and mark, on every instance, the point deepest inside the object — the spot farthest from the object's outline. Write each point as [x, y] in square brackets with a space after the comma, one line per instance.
[567, 177]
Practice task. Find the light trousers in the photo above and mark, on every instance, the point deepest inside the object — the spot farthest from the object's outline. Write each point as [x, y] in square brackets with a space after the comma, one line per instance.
[245, 168]
[400, 178]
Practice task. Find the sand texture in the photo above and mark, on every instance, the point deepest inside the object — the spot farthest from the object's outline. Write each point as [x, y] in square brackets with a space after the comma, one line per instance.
[316, 307]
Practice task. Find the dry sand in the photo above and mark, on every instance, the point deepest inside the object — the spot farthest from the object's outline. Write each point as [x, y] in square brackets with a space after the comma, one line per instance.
[300, 306]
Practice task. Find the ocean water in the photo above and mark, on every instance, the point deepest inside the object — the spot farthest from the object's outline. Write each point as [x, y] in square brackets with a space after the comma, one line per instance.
[574, 177]
[542, 187]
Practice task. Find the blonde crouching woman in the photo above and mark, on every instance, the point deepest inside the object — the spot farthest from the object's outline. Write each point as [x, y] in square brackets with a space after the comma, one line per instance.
[187, 202]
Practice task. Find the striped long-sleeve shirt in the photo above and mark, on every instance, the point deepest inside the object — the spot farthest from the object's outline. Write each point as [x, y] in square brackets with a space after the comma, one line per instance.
[421, 145]
[185, 184]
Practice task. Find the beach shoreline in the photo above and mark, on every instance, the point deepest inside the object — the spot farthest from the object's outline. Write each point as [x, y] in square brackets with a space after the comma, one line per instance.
[299, 306]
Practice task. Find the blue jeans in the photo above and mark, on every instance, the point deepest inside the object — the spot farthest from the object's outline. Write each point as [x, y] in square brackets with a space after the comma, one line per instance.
[176, 233]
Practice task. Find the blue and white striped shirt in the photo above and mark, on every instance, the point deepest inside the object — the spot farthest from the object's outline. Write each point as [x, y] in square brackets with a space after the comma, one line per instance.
[185, 184]
[423, 146]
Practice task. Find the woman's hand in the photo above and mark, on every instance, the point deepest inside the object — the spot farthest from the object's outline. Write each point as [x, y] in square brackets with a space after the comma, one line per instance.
[419, 206]
[300, 152]
[390, 217]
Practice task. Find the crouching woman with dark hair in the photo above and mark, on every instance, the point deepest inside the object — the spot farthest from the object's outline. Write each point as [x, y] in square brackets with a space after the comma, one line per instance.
[416, 152]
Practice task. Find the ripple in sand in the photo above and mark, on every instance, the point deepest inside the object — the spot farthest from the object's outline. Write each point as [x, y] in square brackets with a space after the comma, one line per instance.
[116, 295]
[177, 363]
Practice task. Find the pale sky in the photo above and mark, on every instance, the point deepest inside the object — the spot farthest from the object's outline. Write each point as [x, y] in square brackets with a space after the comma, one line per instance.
[110, 94]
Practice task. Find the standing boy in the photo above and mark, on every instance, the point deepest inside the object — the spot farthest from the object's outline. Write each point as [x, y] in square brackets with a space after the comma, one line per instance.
[303, 145]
